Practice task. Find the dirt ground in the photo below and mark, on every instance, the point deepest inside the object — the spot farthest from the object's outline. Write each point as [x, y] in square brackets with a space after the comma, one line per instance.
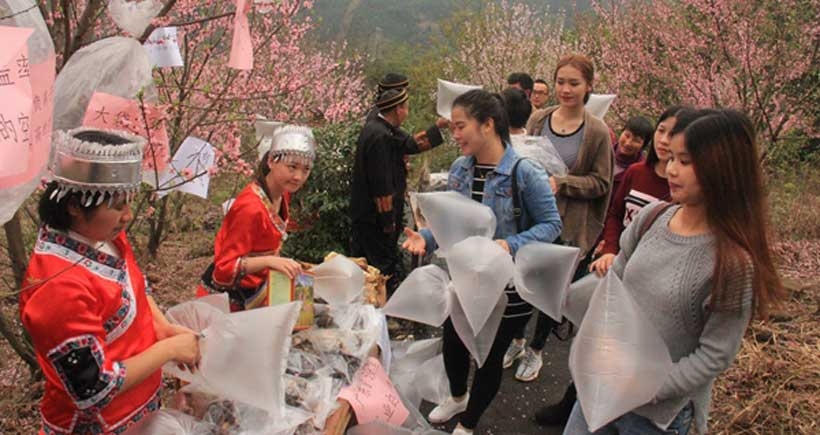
[771, 389]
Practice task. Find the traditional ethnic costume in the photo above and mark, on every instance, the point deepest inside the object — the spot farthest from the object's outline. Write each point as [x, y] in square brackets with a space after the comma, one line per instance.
[253, 228]
[85, 304]
[379, 185]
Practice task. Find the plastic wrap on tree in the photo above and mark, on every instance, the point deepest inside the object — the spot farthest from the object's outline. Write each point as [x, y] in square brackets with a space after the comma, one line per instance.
[578, 296]
[422, 297]
[133, 16]
[261, 337]
[541, 150]
[481, 270]
[543, 272]
[478, 344]
[116, 66]
[15, 188]
[452, 218]
[338, 280]
[618, 360]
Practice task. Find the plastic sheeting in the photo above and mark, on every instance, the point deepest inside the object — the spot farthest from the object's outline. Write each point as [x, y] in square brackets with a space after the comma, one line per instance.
[578, 296]
[452, 218]
[481, 270]
[422, 297]
[171, 422]
[479, 344]
[542, 274]
[133, 16]
[618, 360]
[261, 337]
[418, 372]
[338, 281]
[116, 66]
[541, 150]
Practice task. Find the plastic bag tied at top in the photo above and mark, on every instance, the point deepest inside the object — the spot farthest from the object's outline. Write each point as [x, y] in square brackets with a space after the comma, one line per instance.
[543, 272]
[452, 218]
[618, 360]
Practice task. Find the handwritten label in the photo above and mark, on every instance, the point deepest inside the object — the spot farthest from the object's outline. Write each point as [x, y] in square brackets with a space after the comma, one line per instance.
[189, 170]
[27, 92]
[373, 397]
[112, 112]
[163, 47]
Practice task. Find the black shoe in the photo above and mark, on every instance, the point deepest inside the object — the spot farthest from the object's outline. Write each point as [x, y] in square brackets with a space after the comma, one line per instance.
[557, 414]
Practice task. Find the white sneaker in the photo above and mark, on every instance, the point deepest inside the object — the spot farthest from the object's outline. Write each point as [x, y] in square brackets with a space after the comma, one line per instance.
[447, 410]
[515, 351]
[530, 366]
[461, 430]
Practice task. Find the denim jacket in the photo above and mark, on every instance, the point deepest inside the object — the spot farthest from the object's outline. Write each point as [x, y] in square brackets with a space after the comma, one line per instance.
[540, 215]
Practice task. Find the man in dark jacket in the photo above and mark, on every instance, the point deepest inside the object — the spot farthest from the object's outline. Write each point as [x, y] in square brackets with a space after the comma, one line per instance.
[380, 181]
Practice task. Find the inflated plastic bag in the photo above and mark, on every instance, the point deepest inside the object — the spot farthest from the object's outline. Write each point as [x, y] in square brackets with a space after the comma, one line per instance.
[422, 297]
[478, 344]
[543, 272]
[618, 360]
[452, 218]
[541, 150]
[481, 270]
[598, 104]
[338, 281]
[578, 296]
[133, 16]
[243, 354]
[116, 66]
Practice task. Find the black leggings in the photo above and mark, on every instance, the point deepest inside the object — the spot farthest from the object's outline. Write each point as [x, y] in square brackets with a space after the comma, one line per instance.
[487, 379]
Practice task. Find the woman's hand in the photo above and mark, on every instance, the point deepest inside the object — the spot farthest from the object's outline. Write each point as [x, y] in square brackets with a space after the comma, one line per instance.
[415, 243]
[288, 266]
[602, 265]
[185, 350]
[503, 243]
[169, 330]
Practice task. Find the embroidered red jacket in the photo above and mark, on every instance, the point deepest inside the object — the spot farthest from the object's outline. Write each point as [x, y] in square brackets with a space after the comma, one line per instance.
[251, 228]
[89, 314]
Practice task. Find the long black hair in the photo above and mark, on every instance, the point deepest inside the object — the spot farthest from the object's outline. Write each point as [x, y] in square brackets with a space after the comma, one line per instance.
[651, 155]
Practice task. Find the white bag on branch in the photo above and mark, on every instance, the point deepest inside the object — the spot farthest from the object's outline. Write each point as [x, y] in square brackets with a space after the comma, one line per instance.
[481, 270]
[243, 354]
[422, 297]
[578, 296]
[134, 16]
[116, 66]
[543, 272]
[452, 218]
[618, 360]
[338, 281]
[541, 150]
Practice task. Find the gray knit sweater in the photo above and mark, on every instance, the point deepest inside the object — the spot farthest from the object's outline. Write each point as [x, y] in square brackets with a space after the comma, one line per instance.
[670, 277]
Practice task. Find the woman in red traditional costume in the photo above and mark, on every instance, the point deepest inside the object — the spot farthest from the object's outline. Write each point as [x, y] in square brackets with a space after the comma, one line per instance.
[99, 337]
[248, 243]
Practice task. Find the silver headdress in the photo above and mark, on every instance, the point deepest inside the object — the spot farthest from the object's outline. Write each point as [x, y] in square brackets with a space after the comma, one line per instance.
[294, 143]
[92, 161]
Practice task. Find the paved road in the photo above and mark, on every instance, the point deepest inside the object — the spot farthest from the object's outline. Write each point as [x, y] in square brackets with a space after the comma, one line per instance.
[511, 413]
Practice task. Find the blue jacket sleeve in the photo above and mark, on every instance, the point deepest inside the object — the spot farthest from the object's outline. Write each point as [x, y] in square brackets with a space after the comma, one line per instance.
[539, 205]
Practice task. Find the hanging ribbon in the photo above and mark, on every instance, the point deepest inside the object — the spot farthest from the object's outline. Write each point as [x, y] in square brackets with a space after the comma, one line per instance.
[241, 47]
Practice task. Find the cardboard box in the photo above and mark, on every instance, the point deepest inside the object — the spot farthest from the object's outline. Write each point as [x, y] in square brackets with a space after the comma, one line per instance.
[283, 290]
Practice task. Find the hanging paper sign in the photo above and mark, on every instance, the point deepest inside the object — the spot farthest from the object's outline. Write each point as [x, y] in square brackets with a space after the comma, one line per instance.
[241, 46]
[373, 397]
[189, 170]
[108, 111]
[16, 94]
[163, 47]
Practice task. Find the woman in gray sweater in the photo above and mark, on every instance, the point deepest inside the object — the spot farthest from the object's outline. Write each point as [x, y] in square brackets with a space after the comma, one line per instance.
[701, 269]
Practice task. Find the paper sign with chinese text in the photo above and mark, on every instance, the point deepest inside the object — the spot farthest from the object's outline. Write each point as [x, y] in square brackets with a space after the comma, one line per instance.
[373, 397]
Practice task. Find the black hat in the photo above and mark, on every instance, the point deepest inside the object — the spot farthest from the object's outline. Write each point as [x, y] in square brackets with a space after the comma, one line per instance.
[393, 81]
[390, 99]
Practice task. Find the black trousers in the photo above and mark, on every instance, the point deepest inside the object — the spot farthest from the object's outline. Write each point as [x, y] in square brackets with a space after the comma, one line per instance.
[545, 324]
[487, 379]
[381, 250]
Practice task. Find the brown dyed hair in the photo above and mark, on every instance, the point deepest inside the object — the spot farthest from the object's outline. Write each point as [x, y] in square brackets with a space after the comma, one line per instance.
[722, 146]
[581, 63]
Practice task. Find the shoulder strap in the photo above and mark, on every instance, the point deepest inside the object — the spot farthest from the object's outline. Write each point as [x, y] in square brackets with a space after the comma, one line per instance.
[653, 216]
[516, 196]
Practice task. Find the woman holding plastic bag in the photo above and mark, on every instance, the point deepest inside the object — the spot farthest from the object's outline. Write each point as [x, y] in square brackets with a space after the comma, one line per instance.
[248, 243]
[99, 337]
[700, 270]
[484, 173]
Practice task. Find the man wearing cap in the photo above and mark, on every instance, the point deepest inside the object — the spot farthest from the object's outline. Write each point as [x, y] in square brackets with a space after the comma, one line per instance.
[389, 81]
[380, 181]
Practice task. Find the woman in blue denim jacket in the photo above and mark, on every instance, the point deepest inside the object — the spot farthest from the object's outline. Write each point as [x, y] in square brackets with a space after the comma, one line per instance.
[484, 173]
